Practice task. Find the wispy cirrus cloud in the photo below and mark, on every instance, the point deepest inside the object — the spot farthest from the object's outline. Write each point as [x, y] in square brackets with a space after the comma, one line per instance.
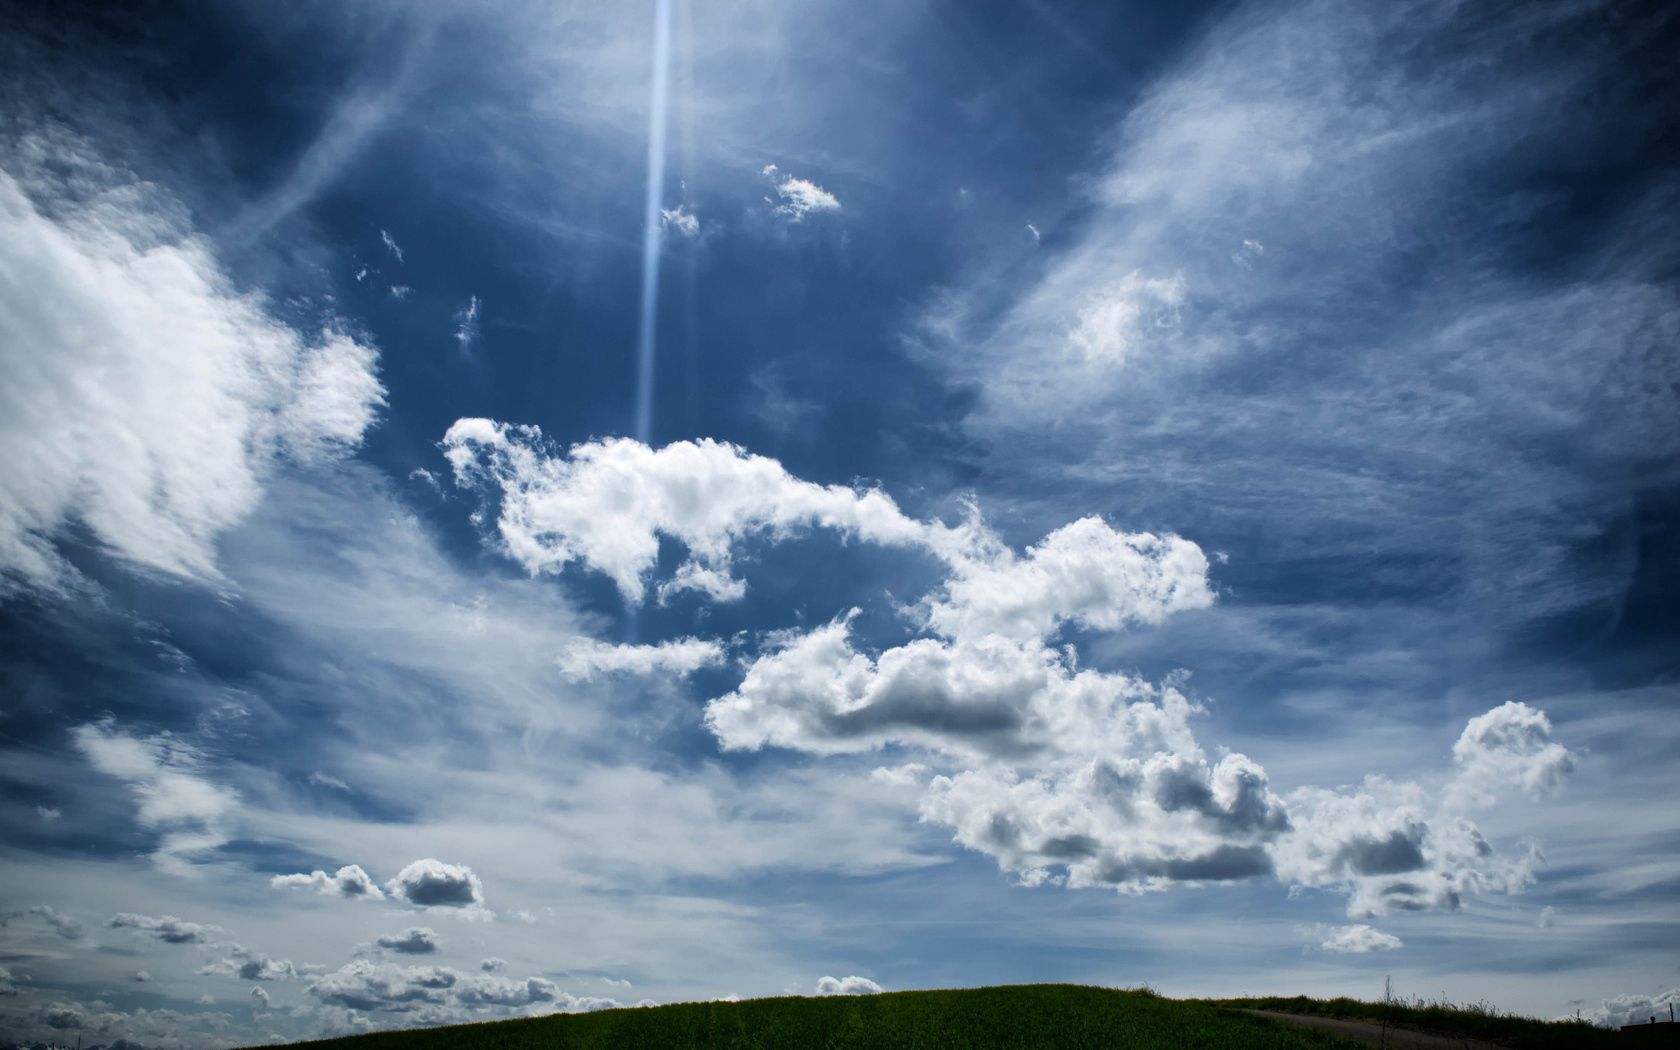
[151, 400]
[173, 797]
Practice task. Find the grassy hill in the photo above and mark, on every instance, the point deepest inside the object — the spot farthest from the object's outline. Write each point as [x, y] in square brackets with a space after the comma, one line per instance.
[1466, 1021]
[1015, 1016]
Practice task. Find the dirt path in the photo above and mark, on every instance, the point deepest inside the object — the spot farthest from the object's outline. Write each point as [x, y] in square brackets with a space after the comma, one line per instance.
[1371, 1033]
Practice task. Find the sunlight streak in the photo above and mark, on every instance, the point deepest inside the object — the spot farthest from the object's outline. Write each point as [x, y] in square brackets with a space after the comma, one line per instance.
[652, 230]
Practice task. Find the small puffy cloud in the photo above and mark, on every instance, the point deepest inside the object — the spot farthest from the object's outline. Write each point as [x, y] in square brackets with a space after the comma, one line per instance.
[142, 977]
[247, 965]
[48, 814]
[416, 940]
[149, 399]
[1358, 939]
[430, 883]
[401, 292]
[492, 965]
[349, 881]
[680, 220]
[797, 198]
[583, 658]
[391, 245]
[260, 995]
[1509, 747]
[166, 928]
[853, 985]
[1547, 919]
[64, 925]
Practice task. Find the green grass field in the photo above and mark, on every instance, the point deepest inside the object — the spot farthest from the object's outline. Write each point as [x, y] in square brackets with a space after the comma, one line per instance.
[1018, 1016]
[1471, 1021]
[1044, 1015]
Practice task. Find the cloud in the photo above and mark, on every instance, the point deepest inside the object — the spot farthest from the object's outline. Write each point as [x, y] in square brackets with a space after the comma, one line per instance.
[606, 503]
[391, 245]
[166, 928]
[400, 292]
[853, 985]
[353, 123]
[1399, 846]
[1037, 237]
[1358, 940]
[364, 985]
[261, 996]
[415, 940]
[64, 925]
[1125, 319]
[142, 977]
[492, 965]
[583, 659]
[466, 325]
[349, 881]
[992, 684]
[150, 399]
[680, 219]
[1632, 1008]
[1084, 572]
[431, 883]
[1509, 746]
[247, 965]
[48, 814]
[174, 799]
[799, 197]
[327, 780]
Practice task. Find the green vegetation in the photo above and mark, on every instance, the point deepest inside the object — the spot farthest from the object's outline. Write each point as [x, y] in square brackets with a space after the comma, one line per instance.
[1465, 1020]
[1046, 1015]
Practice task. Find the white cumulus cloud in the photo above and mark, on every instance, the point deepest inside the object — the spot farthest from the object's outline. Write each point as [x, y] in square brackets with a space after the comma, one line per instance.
[606, 503]
[349, 881]
[1358, 939]
[853, 985]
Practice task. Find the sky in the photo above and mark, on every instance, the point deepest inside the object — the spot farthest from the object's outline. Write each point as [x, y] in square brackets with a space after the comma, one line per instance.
[514, 507]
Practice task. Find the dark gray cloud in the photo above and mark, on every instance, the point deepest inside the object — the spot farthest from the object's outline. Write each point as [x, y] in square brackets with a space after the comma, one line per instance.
[1400, 851]
[416, 940]
[431, 883]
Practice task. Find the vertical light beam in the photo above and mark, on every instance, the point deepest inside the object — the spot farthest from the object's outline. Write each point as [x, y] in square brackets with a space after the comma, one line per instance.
[652, 225]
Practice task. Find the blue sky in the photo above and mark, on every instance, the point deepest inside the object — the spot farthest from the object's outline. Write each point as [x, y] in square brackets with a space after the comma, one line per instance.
[1124, 497]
